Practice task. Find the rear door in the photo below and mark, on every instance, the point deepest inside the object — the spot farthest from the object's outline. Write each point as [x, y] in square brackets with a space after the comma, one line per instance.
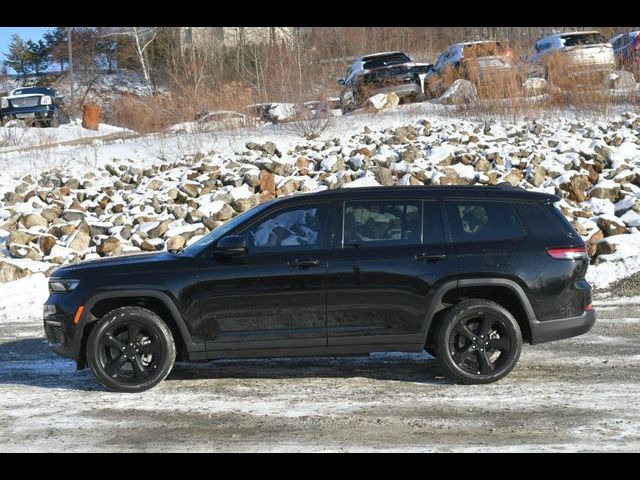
[383, 271]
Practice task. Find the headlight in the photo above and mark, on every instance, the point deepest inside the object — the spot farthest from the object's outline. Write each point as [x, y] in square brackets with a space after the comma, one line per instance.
[4, 103]
[46, 100]
[61, 285]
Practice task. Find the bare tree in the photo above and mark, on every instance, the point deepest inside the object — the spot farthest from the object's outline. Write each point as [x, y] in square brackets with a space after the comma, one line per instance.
[141, 38]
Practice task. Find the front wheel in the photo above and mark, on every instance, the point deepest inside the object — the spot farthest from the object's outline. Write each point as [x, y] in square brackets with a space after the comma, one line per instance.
[478, 341]
[131, 350]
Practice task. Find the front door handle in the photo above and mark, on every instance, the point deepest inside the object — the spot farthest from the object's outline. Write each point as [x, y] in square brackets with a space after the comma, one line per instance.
[304, 262]
[430, 257]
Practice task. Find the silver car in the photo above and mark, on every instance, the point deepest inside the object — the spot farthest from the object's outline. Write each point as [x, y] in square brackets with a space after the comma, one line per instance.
[567, 56]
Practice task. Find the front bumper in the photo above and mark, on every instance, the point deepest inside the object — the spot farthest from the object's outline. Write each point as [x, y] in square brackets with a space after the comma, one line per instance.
[550, 330]
[63, 335]
[43, 112]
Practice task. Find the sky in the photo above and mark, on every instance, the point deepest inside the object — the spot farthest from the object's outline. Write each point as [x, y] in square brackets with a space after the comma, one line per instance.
[33, 33]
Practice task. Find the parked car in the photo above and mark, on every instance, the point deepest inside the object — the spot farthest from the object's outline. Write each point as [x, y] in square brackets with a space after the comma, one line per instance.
[489, 65]
[35, 105]
[626, 48]
[384, 72]
[467, 273]
[570, 57]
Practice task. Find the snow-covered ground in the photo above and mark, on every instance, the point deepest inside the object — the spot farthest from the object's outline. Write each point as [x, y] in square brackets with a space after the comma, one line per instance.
[579, 394]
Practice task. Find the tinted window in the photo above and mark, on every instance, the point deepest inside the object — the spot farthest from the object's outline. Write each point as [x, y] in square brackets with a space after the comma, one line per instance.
[290, 228]
[483, 221]
[384, 60]
[544, 221]
[382, 223]
[433, 229]
[583, 39]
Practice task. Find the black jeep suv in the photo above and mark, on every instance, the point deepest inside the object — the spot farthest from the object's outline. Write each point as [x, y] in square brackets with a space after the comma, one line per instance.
[467, 273]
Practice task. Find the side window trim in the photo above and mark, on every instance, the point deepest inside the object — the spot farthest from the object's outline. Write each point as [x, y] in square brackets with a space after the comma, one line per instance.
[446, 230]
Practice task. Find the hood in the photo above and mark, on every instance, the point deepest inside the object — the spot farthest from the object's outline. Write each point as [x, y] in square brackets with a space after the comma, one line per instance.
[108, 262]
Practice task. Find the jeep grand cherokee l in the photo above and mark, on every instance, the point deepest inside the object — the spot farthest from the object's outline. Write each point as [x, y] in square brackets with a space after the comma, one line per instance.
[467, 273]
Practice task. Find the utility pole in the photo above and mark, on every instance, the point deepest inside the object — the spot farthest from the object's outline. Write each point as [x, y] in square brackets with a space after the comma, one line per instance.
[72, 110]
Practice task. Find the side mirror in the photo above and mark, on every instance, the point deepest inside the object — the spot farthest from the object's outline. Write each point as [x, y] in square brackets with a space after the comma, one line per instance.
[341, 81]
[60, 97]
[231, 245]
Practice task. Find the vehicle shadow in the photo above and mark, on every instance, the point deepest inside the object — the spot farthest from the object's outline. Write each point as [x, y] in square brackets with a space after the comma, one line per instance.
[31, 362]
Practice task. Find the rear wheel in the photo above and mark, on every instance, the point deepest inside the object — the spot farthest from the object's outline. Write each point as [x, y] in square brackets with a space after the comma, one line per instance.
[131, 350]
[478, 341]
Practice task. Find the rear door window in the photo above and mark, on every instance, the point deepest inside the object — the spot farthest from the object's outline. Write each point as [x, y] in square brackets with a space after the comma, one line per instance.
[382, 223]
[481, 221]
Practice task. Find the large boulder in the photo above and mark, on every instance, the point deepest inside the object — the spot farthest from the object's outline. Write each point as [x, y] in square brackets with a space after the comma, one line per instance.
[534, 86]
[577, 188]
[10, 272]
[383, 101]
[34, 220]
[461, 92]
[267, 182]
[109, 247]
[19, 237]
[620, 80]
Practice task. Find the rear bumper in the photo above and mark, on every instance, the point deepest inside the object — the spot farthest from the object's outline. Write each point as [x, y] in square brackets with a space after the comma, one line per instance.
[402, 90]
[550, 330]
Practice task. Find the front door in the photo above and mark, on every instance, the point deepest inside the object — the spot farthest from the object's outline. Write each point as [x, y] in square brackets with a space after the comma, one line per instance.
[274, 296]
[384, 270]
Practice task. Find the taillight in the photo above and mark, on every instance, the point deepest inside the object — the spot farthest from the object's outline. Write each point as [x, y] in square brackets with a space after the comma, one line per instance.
[587, 307]
[573, 253]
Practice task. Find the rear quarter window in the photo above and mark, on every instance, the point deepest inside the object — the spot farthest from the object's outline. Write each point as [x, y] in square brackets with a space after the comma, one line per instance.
[483, 221]
[545, 221]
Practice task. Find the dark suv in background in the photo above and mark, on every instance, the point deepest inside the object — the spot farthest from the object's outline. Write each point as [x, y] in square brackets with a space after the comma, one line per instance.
[34, 105]
[467, 273]
[377, 73]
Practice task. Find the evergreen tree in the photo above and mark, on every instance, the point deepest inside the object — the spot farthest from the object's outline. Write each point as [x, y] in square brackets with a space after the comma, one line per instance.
[20, 57]
[56, 41]
[39, 55]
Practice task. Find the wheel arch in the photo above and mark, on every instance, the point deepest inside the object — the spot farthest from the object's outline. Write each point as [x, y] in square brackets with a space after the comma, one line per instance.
[158, 302]
[504, 291]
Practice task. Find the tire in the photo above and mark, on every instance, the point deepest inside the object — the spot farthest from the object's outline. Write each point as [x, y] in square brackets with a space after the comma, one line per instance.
[462, 351]
[110, 341]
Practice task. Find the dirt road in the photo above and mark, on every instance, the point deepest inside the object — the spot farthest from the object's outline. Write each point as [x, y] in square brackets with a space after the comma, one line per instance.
[581, 394]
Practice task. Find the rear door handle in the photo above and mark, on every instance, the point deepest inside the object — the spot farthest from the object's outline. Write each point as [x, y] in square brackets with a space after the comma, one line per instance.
[304, 262]
[430, 257]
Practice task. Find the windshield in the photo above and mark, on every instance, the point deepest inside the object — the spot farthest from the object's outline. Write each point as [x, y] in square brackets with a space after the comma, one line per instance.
[33, 91]
[222, 230]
